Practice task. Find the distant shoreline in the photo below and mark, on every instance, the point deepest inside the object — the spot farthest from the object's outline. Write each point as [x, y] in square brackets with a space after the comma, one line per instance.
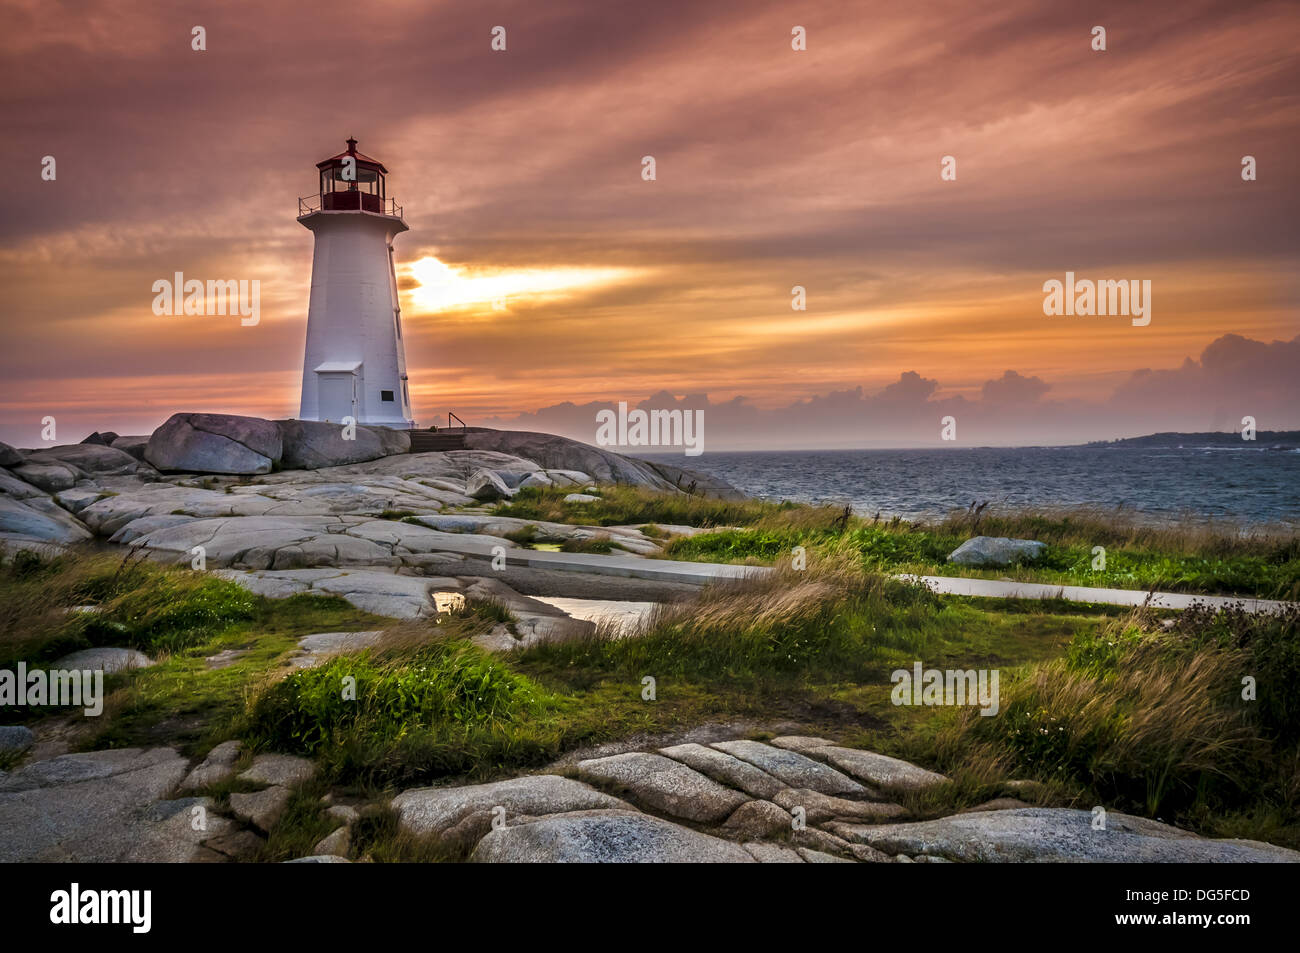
[1279, 440]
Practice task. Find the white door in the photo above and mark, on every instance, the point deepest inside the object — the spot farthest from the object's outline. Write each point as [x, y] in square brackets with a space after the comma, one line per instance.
[337, 396]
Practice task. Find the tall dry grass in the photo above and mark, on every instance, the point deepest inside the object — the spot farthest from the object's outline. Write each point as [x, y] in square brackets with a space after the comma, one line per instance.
[1120, 527]
[1142, 719]
[824, 620]
[37, 591]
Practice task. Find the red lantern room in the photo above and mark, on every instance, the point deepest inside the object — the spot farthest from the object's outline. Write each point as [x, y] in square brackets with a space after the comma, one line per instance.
[351, 181]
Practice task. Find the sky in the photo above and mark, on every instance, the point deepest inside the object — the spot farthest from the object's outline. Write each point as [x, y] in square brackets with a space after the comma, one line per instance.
[544, 277]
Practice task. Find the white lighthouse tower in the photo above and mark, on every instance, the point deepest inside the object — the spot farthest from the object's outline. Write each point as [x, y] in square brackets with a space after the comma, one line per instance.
[355, 364]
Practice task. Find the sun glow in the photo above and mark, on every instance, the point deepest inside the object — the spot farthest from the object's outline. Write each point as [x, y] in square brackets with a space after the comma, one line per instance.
[443, 288]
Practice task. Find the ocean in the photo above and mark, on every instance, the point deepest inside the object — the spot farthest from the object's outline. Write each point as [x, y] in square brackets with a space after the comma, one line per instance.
[1248, 486]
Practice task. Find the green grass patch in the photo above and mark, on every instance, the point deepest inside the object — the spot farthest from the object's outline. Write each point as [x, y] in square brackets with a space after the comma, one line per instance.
[1158, 721]
[367, 714]
[1268, 568]
[626, 506]
[182, 700]
[602, 545]
[524, 536]
[137, 604]
[1138, 711]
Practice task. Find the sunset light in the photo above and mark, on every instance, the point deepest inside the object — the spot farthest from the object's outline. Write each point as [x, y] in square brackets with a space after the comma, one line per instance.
[444, 288]
[671, 434]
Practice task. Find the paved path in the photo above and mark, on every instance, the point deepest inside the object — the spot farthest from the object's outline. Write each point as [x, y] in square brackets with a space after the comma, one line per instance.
[636, 567]
[671, 570]
[995, 589]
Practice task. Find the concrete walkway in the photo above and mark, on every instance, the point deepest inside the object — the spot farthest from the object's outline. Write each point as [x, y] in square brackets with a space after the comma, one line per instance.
[636, 567]
[670, 570]
[995, 589]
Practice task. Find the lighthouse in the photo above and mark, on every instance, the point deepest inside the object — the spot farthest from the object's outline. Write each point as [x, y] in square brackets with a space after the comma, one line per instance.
[355, 363]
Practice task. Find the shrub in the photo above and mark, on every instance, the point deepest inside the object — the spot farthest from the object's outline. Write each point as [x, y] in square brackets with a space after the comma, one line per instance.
[140, 604]
[1153, 720]
[174, 610]
[443, 686]
[524, 536]
[821, 619]
[1272, 641]
[628, 506]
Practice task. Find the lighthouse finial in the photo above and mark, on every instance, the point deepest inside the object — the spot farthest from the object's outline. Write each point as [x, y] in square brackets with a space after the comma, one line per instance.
[352, 144]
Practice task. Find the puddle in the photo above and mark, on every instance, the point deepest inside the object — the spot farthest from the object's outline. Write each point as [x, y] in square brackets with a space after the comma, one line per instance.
[448, 601]
[617, 612]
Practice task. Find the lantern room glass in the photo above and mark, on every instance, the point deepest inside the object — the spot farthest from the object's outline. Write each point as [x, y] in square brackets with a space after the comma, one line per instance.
[369, 181]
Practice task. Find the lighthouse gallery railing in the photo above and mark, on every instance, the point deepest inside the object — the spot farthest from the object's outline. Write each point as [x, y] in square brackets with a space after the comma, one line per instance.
[312, 203]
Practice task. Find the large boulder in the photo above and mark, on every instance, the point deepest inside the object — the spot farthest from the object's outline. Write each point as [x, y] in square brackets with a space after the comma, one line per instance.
[20, 522]
[101, 807]
[381, 593]
[486, 485]
[283, 769]
[215, 443]
[462, 815]
[15, 739]
[89, 457]
[313, 444]
[10, 485]
[104, 439]
[694, 482]
[997, 551]
[78, 498]
[552, 452]
[664, 785]
[1057, 835]
[133, 444]
[50, 477]
[605, 837]
[791, 767]
[878, 770]
[727, 769]
[9, 457]
[261, 808]
[106, 660]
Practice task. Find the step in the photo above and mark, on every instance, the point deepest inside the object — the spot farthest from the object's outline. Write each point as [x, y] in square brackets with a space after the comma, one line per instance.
[424, 441]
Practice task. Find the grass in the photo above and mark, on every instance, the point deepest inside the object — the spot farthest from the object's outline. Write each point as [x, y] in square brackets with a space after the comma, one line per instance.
[525, 536]
[176, 616]
[183, 700]
[376, 835]
[532, 537]
[596, 544]
[445, 685]
[301, 826]
[1156, 721]
[136, 604]
[430, 705]
[627, 506]
[1137, 711]
[1196, 557]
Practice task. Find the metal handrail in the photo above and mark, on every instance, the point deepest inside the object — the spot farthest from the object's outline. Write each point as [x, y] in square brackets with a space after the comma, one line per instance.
[312, 203]
[450, 417]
